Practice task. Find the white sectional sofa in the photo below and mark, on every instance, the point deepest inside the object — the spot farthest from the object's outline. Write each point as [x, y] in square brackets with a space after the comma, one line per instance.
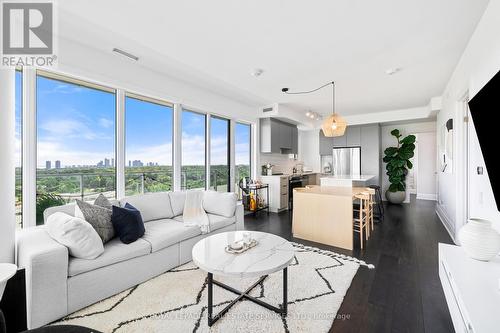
[58, 284]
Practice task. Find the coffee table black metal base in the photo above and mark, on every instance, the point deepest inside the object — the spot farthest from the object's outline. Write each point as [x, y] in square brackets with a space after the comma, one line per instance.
[244, 295]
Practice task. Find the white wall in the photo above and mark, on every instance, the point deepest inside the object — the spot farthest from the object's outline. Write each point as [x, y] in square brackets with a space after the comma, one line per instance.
[119, 72]
[478, 64]
[281, 162]
[405, 128]
[426, 179]
[482, 202]
[7, 173]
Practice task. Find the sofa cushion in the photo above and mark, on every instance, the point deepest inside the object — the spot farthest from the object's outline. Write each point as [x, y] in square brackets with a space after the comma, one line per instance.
[217, 203]
[163, 233]
[177, 200]
[114, 251]
[216, 221]
[153, 206]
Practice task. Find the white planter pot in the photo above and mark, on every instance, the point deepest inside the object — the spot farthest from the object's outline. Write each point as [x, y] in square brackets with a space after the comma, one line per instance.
[395, 197]
[479, 240]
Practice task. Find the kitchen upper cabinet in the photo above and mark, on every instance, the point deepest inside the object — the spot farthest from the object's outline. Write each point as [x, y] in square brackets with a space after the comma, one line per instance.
[285, 131]
[295, 140]
[353, 136]
[278, 137]
[340, 141]
[325, 144]
[370, 152]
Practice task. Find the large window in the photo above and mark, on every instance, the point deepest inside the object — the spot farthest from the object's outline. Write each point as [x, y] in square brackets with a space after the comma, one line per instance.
[193, 150]
[148, 142]
[243, 144]
[18, 147]
[219, 154]
[75, 138]
[75, 142]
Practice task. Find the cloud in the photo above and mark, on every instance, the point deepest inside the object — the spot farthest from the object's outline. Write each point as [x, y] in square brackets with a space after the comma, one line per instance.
[63, 88]
[242, 155]
[161, 154]
[70, 128]
[17, 151]
[193, 149]
[193, 152]
[52, 151]
[106, 123]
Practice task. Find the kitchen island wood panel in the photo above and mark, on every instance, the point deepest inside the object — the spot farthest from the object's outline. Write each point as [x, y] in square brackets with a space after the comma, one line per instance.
[324, 215]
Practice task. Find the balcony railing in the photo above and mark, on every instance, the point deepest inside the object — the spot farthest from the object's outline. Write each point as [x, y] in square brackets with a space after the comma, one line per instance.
[86, 186]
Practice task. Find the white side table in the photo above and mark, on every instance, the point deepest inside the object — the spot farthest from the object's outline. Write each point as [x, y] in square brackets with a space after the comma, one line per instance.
[272, 254]
[6, 272]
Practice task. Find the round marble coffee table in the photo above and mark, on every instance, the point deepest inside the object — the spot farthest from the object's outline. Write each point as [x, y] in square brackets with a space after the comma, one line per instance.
[272, 254]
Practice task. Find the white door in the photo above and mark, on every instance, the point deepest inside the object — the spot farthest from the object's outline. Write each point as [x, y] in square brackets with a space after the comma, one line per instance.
[426, 168]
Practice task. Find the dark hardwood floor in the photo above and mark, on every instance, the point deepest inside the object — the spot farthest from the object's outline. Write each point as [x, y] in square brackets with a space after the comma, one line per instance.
[403, 292]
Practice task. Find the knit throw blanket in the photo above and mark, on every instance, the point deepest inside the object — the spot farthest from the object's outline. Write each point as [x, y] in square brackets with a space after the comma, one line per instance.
[194, 214]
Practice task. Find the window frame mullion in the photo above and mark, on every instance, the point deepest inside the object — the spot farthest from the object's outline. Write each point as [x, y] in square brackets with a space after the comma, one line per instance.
[29, 144]
[120, 143]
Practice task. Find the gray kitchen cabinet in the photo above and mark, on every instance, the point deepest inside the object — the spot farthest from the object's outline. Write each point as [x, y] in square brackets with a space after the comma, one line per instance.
[295, 140]
[370, 152]
[275, 136]
[325, 144]
[353, 136]
[285, 136]
[278, 137]
[340, 141]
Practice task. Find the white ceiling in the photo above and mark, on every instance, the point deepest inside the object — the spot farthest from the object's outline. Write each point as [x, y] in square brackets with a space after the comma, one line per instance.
[299, 44]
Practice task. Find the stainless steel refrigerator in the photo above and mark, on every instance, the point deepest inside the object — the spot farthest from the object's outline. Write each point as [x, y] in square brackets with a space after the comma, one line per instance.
[346, 161]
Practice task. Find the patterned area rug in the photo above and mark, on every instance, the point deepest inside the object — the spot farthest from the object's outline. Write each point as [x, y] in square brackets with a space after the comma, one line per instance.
[176, 300]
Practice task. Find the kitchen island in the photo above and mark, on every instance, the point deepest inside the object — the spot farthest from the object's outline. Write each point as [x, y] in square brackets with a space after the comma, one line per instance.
[323, 214]
[345, 180]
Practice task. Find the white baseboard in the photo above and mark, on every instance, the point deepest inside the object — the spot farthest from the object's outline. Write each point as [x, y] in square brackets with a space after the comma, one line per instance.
[427, 196]
[446, 221]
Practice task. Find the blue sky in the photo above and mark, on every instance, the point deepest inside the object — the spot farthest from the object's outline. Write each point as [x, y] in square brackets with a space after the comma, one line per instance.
[77, 126]
[148, 132]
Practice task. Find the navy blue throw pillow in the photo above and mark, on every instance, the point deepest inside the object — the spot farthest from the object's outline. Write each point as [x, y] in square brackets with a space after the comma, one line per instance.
[127, 222]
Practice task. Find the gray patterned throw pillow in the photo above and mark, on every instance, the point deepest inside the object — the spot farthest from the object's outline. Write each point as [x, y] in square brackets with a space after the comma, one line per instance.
[103, 202]
[98, 217]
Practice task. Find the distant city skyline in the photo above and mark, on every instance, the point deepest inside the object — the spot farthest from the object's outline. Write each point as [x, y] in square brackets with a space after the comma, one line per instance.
[104, 163]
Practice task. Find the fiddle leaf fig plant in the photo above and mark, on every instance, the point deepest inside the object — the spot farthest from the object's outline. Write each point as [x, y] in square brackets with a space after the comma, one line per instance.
[398, 162]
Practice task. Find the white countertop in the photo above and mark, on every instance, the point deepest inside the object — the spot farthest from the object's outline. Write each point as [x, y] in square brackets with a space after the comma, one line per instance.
[358, 178]
[272, 254]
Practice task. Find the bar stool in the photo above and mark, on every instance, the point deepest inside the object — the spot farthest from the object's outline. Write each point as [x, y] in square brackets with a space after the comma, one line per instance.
[378, 202]
[371, 203]
[360, 222]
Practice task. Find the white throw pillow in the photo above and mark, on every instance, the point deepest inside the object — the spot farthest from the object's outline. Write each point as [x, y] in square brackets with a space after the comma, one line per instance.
[76, 234]
[223, 204]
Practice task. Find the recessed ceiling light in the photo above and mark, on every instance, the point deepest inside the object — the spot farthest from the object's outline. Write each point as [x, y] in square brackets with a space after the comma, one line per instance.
[392, 71]
[257, 72]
